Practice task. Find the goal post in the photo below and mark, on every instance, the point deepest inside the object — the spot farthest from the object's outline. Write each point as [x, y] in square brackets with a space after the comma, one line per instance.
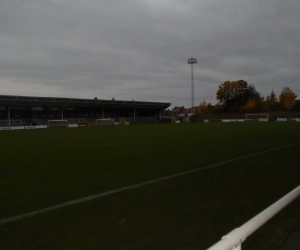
[57, 123]
[104, 122]
[257, 117]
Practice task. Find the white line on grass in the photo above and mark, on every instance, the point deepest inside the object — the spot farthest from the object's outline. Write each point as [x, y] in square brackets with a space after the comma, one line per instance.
[92, 197]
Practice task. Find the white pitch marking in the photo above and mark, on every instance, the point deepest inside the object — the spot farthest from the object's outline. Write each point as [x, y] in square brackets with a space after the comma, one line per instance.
[92, 197]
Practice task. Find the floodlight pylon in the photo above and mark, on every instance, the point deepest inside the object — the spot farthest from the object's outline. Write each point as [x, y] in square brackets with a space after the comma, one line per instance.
[192, 61]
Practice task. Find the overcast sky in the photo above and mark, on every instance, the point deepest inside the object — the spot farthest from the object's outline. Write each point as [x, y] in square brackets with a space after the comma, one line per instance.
[138, 49]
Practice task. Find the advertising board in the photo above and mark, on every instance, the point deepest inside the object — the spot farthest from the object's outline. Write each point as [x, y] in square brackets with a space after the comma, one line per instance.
[12, 128]
[73, 125]
[36, 127]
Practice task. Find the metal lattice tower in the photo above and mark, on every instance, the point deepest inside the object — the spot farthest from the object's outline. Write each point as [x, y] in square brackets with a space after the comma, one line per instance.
[192, 61]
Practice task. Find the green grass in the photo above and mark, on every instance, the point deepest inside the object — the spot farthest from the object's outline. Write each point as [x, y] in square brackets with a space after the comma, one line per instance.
[41, 168]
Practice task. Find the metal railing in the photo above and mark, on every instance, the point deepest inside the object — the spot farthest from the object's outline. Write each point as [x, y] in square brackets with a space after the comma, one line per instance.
[234, 239]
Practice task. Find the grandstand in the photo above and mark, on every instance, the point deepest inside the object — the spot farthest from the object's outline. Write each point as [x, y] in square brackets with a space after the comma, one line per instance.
[26, 110]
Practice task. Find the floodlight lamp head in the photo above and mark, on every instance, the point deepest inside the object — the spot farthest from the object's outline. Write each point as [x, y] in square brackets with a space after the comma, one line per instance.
[192, 60]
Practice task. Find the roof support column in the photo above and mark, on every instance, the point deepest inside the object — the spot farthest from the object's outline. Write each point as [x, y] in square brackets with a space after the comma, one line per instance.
[8, 115]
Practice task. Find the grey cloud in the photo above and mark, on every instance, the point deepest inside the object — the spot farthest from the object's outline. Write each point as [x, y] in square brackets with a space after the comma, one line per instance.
[139, 49]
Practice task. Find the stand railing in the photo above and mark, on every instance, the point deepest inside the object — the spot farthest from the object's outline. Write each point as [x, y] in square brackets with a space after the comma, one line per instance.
[234, 239]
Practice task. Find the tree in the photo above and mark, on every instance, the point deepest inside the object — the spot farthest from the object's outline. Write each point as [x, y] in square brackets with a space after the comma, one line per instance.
[204, 108]
[287, 98]
[254, 105]
[218, 107]
[271, 101]
[236, 94]
[250, 106]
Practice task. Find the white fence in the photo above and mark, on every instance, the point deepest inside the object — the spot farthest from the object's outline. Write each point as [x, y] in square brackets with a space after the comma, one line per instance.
[234, 239]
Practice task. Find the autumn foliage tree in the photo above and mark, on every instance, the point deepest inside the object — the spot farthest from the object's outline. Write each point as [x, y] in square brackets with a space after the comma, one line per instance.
[287, 98]
[250, 106]
[204, 107]
[218, 107]
[271, 101]
[233, 96]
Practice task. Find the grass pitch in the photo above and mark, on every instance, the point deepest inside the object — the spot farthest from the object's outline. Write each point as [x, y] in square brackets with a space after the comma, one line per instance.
[42, 168]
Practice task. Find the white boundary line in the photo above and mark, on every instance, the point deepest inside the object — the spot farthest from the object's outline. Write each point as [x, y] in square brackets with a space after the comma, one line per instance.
[96, 196]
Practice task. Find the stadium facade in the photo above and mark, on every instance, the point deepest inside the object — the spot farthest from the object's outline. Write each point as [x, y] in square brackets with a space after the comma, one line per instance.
[27, 110]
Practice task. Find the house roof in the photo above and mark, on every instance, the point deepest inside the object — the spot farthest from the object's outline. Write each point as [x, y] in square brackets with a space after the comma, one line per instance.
[184, 111]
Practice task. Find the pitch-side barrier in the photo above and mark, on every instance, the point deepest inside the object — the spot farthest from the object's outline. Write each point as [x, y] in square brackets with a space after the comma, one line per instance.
[234, 239]
[23, 127]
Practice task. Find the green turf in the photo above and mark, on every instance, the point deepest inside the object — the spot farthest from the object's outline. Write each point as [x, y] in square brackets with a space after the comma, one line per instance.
[41, 168]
